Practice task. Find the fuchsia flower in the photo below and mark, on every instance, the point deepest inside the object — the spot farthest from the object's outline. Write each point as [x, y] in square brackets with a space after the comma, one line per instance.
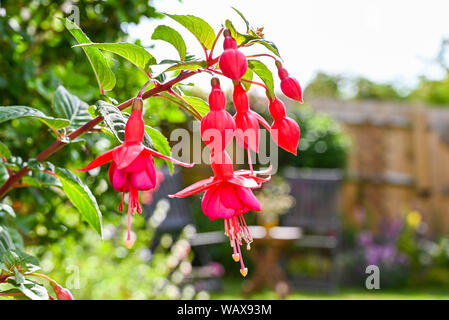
[284, 130]
[232, 62]
[62, 293]
[289, 85]
[247, 121]
[217, 126]
[132, 167]
[228, 196]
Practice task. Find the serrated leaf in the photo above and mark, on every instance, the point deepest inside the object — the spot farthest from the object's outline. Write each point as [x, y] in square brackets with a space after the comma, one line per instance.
[116, 122]
[6, 244]
[14, 112]
[264, 73]
[268, 44]
[199, 104]
[81, 197]
[103, 73]
[160, 144]
[19, 259]
[171, 36]
[248, 76]
[138, 56]
[71, 107]
[198, 27]
[4, 151]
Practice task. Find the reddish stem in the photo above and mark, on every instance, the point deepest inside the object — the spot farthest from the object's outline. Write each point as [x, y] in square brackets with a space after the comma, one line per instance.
[262, 55]
[213, 46]
[58, 144]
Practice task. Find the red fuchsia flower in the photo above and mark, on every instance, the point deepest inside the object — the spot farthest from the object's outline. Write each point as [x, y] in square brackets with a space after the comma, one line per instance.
[62, 293]
[217, 126]
[232, 62]
[132, 167]
[289, 85]
[284, 130]
[247, 131]
[228, 196]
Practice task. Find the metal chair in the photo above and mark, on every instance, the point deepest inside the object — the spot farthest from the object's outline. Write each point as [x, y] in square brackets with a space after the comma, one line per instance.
[316, 213]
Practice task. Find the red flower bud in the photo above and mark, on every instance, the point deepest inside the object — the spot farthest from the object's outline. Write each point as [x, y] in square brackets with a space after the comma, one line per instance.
[289, 85]
[284, 130]
[247, 131]
[62, 293]
[217, 126]
[232, 62]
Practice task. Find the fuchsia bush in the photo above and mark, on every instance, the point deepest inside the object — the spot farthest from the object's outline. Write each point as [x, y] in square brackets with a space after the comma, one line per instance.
[228, 194]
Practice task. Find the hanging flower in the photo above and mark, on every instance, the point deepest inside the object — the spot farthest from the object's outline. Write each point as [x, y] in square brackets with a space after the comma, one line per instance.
[217, 126]
[232, 62]
[132, 167]
[228, 196]
[289, 85]
[247, 121]
[284, 130]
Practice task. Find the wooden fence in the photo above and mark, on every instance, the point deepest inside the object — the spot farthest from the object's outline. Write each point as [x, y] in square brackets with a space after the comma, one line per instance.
[398, 161]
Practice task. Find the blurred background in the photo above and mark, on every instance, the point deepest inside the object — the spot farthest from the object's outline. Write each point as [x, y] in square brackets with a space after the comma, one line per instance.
[370, 185]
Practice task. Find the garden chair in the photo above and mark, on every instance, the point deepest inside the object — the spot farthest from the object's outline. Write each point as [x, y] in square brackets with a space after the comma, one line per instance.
[313, 261]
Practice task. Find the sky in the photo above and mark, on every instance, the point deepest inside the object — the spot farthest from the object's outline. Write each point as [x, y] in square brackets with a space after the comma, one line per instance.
[383, 40]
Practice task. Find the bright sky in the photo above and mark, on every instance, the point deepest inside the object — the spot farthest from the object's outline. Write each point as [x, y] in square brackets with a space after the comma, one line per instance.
[384, 40]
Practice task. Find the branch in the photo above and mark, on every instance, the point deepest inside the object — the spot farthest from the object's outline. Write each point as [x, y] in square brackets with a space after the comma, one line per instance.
[58, 144]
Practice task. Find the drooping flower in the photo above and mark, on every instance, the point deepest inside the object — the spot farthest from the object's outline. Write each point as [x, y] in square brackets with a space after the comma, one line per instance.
[217, 126]
[228, 196]
[62, 293]
[132, 165]
[289, 85]
[232, 62]
[247, 121]
[284, 130]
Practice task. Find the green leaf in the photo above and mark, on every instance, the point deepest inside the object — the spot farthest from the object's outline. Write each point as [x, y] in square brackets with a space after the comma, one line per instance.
[243, 17]
[198, 27]
[14, 112]
[138, 56]
[264, 73]
[268, 44]
[239, 37]
[81, 197]
[160, 144]
[19, 259]
[191, 65]
[6, 210]
[4, 175]
[4, 151]
[248, 76]
[31, 289]
[103, 73]
[6, 244]
[116, 122]
[199, 104]
[171, 36]
[71, 107]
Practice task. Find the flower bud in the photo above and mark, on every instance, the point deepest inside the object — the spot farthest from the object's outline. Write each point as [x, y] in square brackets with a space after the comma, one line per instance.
[289, 85]
[277, 109]
[232, 62]
[62, 293]
[286, 133]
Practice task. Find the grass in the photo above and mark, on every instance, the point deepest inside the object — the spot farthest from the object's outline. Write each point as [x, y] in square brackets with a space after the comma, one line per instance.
[232, 291]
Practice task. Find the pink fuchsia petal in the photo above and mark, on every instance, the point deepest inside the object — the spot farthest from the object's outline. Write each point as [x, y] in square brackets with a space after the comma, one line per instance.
[286, 133]
[149, 151]
[213, 206]
[248, 198]
[117, 177]
[247, 131]
[229, 197]
[261, 120]
[99, 161]
[291, 88]
[196, 188]
[243, 182]
[145, 179]
[126, 154]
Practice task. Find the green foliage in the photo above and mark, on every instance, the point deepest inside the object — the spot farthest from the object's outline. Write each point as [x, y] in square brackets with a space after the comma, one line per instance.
[198, 27]
[14, 112]
[70, 107]
[264, 73]
[171, 36]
